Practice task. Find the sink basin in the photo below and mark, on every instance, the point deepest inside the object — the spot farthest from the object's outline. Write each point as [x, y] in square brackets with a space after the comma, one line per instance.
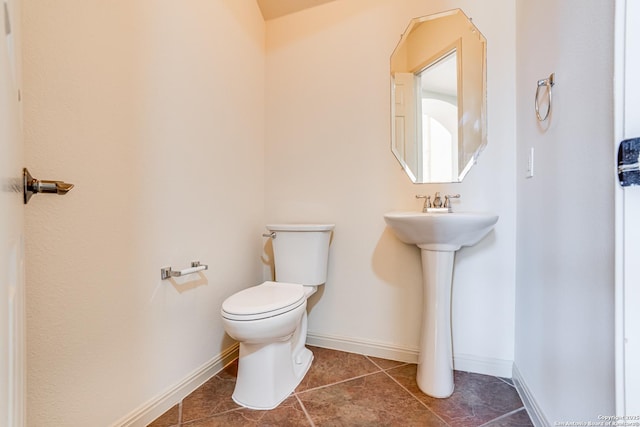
[440, 231]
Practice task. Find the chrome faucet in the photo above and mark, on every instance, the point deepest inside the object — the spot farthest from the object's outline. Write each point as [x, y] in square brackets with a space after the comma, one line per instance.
[437, 206]
[437, 201]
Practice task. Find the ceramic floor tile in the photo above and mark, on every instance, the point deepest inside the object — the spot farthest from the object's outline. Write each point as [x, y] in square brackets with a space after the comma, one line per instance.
[168, 419]
[515, 419]
[345, 389]
[331, 366]
[385, 363]
[288, 414]
[213, 397]
[476, 399]
[372, 400]
[507, 380]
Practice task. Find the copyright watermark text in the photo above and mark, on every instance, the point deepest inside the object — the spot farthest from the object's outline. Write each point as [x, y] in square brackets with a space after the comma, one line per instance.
[604, 421]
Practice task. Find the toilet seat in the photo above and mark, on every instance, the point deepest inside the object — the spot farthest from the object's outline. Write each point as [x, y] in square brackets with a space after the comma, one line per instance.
[262, 301]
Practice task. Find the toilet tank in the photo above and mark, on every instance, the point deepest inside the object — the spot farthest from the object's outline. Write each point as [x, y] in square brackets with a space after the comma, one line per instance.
[301, 252]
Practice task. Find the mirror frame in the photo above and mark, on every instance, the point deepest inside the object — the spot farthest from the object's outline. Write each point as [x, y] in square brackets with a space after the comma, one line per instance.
[472, 121]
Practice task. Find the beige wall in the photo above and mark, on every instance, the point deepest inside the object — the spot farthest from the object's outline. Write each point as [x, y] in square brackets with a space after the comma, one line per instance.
[328, 158]
[154, 110]
[157, 113]
[564, 329]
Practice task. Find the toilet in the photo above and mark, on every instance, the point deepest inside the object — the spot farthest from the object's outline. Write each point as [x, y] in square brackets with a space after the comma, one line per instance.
[270, 320]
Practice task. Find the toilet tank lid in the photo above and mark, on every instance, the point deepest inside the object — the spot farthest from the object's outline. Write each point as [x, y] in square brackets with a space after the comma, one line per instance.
[300, 227]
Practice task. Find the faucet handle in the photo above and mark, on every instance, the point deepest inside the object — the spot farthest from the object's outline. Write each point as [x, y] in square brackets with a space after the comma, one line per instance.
[447, 199]
[427, 201]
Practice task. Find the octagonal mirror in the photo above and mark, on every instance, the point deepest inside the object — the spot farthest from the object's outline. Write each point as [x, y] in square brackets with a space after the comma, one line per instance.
[438, 97]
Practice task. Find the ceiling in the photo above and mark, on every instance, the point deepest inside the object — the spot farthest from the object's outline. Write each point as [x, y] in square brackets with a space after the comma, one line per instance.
[275, 8]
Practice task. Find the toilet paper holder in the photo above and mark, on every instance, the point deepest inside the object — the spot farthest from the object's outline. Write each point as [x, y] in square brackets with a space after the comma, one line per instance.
[168, 272]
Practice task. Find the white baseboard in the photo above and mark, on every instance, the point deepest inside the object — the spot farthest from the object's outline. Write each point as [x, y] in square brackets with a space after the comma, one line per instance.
[360, 346]
[461, 362]
[533, 409]
[151, 410]
[483, 365]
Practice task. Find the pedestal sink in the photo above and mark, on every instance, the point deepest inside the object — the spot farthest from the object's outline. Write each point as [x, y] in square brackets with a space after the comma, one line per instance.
[439, 236]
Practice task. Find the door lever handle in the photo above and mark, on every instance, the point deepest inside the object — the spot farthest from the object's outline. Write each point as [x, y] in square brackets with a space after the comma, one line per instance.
[32, 186]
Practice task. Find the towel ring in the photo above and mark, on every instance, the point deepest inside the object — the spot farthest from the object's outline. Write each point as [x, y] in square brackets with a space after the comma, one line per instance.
[548, 83]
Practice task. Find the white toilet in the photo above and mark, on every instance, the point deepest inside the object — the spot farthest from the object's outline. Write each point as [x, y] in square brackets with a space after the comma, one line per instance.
[270, 320]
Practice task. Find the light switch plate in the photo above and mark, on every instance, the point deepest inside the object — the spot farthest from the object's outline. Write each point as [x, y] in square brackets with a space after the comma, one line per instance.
[530, 164]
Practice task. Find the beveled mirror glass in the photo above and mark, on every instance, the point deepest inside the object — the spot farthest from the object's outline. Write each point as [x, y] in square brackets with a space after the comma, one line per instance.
[438, 97]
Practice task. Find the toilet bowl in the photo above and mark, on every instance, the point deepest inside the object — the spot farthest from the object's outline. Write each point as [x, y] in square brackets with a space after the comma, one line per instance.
[270, 320]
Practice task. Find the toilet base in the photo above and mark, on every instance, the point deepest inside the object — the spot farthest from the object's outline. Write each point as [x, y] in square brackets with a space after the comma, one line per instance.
[268, 374]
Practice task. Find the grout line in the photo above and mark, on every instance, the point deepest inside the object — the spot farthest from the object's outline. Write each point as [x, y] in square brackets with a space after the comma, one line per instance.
[213, 415]
[383, 369]
[337, 382]
[180, 413]
[416, 398]
[506, 382]
[374, 363]
[508, 414]
[305, 411]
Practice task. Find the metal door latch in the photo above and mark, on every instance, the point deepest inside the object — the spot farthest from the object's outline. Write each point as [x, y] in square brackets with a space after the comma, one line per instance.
[629, 162]
[32, 186]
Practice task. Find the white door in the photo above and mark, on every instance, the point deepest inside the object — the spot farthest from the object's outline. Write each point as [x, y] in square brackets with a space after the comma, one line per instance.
[632, 217]
[404, 125]
[628, 216]
[12, 366]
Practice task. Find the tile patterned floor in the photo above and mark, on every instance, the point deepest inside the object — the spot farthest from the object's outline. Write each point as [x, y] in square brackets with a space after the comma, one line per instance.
[346, 389]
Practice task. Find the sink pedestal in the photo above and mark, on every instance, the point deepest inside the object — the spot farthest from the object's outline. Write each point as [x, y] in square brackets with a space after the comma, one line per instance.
[435, 361]
[439, 236]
